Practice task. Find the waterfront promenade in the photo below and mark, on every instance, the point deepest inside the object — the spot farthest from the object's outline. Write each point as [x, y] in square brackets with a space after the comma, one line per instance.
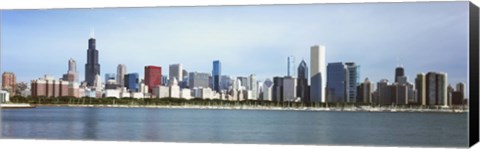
[247, 107]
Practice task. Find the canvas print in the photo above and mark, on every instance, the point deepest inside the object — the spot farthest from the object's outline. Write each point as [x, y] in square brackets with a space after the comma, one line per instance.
[361, 74]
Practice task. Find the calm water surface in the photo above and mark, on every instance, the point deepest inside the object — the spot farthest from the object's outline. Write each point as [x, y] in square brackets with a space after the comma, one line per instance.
[237, 126]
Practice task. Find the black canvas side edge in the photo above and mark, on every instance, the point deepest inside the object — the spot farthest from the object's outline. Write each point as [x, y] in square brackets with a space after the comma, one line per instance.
[474, 74]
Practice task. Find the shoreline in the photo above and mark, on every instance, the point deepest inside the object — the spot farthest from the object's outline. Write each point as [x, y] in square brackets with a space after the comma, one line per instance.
[330, 109]
[16, 106]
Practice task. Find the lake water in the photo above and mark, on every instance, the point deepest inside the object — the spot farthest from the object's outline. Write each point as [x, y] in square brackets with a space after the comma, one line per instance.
[237, 126]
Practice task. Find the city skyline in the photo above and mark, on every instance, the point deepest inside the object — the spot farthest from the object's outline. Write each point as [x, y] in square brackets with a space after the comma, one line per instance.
[113, 49]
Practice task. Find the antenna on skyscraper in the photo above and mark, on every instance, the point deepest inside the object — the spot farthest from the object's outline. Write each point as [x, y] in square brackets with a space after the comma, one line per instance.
[398, 62]
[92, 32]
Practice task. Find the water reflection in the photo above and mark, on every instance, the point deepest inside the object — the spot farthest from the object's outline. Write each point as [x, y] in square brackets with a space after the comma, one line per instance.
[90, 120]
[237, 126]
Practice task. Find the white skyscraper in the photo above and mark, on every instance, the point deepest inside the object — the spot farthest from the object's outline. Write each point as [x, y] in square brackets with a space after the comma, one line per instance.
[98, 83]
[317, 73]
[174, 89]
[121, 72]
[253, 85]
[175, 71]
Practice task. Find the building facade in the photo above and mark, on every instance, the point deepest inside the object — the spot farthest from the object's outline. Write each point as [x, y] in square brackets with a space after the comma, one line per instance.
[289, 89]
[436, 85]
[216, 74]
[225, 82]
[175, 71]
[174, 89]
[92, 67]
[277, 89]
[337, 82]
[253, 86]
[198, 79]
[317, 74]
[421, 89]
[9, 82]
[267, 90]
[121, 72]
[4, 96]
[49, 87]
[153, 76]
[72, 74]
[243, 82]
[365, 92]
[132, 82]
[399, 72]
[303, 90]
[353, 81]
[109, 76]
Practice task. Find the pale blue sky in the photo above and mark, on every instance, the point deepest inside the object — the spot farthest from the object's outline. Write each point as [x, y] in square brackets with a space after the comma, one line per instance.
[424, 37]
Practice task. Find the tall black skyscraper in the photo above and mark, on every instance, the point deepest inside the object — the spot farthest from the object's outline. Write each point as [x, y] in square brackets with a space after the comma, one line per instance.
[399, 72]
[216, 73]
[92, 68]
[302, 82]
[277, 89]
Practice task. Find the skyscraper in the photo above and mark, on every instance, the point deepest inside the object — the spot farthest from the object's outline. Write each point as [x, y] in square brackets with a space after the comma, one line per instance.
[421, 87]
[72, 65]
[277, 89]
[121, 72]
[153, 76]
[302, 82]
[92, 67]
[459, 94]
[436, 85]
[460, 87]
[216, 73]
[353, 80]
[72, 74]
[337, 82]
[198, 80]
[97, 83]
[290, 66]
[175, 71]
[259, 90]
[267, 90]
[9, 82]
[384, 93]
[450, 91]
[184, 83]
[184, 74]
[243, 81]
[132, 82]
[225, 82]
[365, 91]
[401, 94]
[164, 80]
[317, 73]
[289, 89]
[399, 72]
[253, 85]
[174, 89]
[402, 81]
[109, 76]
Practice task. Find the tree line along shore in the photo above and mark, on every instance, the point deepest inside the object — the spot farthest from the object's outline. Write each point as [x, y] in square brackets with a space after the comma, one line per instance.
[39, 101]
